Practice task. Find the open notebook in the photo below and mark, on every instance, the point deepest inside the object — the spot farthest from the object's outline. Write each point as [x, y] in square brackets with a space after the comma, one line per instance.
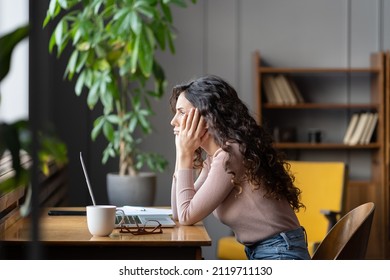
[140, 214]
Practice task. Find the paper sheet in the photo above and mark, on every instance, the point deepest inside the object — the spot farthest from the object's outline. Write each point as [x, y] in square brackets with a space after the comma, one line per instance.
[135, 210]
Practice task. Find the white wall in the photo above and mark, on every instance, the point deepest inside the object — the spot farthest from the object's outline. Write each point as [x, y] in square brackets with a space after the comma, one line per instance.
[14, 88]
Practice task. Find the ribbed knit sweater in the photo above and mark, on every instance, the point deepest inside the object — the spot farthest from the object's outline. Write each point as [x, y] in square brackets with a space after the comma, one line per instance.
[250, 215]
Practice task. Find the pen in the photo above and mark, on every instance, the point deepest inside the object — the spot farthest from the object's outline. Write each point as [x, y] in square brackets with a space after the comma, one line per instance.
[66, 213]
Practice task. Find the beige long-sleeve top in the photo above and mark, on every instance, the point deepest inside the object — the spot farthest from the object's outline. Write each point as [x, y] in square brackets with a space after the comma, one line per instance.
[250, 215]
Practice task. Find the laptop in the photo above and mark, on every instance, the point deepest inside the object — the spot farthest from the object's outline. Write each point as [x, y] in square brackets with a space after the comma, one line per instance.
[145, 215]
[134, 215]
[145, 220]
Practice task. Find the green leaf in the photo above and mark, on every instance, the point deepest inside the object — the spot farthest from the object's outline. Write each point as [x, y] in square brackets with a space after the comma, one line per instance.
[145, 56]
[114, 119]
[71, 67]
[145, 9]
[97, 127]
[159, 33]
[108, 131]
[170, 37]
[52, 42]
[160, 82]
[58, 33]
[81, 62]
[52, 8]
[93, 96]
[52, 12]
[133, 123]
[134, 57]
[88, 77]
[166, 12]
[127, 117]
[80, 83]
[97, 7]
[151, 3]
[107, 153]
[136, 101]
[77, 35]
[107, 98]
[180, 3]
[100, 53]
[120, 14]
[122, 20]
[63, 46]
[145, 125]
[46, 21]
[85, 46]
[63, 4]
[7, 45]
[135, 22]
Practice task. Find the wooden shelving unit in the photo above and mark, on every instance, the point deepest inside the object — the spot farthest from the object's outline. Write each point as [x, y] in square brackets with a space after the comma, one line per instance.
[359, 191]
[386, 218]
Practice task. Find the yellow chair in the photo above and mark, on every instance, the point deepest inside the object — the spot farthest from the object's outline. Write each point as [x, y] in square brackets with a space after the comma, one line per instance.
[323, 187]
[229, 248]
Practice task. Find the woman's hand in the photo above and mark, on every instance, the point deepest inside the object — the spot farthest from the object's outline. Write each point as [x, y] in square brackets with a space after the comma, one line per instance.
[192, 133]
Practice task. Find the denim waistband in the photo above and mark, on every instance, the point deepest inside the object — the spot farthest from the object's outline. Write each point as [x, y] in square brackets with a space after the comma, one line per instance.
[286, 235]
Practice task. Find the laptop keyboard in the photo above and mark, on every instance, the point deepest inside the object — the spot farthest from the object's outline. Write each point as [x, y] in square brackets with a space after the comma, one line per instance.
[128, 219]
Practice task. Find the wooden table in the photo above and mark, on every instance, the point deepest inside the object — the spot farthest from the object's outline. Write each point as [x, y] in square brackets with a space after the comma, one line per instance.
[67, 237]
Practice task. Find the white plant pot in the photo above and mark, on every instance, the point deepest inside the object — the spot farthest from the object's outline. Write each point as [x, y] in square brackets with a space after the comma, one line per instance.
[131, 190]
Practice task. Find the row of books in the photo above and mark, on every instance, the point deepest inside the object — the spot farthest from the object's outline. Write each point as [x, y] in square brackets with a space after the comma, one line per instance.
[280, 89]
[361, 128]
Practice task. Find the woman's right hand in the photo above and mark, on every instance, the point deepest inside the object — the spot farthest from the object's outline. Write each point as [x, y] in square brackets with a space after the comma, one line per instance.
[192, 133]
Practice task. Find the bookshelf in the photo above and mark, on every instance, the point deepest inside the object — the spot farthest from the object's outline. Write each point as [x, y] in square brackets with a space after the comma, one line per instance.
[329, 105]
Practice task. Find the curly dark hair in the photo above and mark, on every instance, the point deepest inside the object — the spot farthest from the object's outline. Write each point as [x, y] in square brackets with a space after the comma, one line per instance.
[229, 121]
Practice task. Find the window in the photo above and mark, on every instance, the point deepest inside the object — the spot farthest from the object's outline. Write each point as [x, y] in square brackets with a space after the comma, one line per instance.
[14, 87]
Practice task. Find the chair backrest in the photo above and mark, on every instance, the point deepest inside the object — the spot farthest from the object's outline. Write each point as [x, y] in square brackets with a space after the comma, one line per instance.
[323, 187]
[348, 239]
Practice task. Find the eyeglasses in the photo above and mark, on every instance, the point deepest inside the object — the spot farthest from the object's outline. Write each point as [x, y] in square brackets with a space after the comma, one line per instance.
[150, 227]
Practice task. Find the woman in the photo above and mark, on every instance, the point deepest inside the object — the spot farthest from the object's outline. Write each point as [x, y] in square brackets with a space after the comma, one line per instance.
[243, 180]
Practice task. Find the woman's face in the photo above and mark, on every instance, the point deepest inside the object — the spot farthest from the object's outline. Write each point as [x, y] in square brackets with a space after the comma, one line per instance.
[183, 106]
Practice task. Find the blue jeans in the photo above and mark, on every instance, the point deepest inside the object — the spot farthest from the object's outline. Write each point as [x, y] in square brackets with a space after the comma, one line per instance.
[289, 245]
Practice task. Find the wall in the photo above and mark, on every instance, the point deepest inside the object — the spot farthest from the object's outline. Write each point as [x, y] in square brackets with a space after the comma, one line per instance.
[219, 37]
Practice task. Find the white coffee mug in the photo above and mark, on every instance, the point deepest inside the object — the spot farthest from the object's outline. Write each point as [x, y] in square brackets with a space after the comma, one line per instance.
[101, 219]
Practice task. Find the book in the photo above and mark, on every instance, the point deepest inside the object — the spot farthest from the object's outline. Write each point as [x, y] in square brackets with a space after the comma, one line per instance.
[295, 90]
[351, 127]
[279, 90]
[359, 130]
[366, 128]
[286, 89]
[275, 95]
[371, 128]
[268, 90]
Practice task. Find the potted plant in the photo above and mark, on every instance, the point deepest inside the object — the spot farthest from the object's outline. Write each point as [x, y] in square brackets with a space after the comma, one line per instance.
[113, 46]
